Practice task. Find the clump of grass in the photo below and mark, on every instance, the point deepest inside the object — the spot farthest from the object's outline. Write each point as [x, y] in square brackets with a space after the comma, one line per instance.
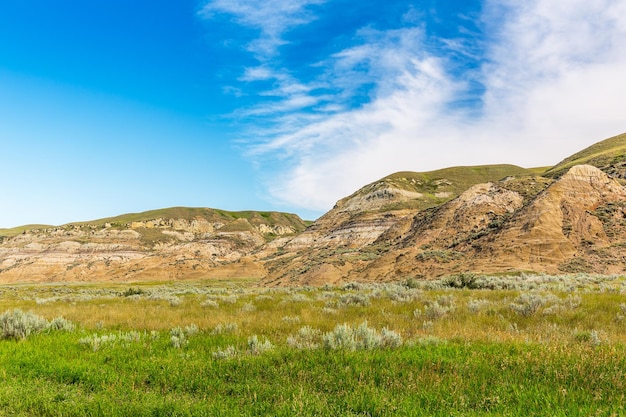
[429, 341]
[591, 337]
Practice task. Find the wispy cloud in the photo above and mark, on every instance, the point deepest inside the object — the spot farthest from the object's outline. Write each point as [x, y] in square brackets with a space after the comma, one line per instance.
[271, 17]
[547, 79]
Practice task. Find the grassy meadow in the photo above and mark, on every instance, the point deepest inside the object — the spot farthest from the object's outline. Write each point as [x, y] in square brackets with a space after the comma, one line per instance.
[462, 346]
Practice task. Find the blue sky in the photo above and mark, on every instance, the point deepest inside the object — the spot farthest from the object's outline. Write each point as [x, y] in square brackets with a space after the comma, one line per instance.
[109, 107]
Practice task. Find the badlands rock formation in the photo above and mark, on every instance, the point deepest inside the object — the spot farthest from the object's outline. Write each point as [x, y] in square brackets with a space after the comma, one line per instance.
[207, 243]
[575, 224]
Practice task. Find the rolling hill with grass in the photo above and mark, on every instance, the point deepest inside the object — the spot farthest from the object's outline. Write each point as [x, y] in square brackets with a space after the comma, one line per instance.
[608, 155]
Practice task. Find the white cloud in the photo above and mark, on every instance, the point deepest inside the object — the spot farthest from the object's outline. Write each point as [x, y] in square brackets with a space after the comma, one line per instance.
[553, 79]
[272, 17]
[553, 85]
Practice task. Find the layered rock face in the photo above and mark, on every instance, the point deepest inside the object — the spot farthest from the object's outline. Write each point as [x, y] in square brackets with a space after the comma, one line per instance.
[154, 249]
[574, 224]
[381, 218]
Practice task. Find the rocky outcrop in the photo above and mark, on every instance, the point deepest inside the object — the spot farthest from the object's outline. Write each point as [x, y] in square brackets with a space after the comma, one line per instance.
[567, 228]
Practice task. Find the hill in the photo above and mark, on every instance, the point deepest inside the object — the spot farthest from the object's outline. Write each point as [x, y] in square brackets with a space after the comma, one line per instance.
[451, 221]
[608, 155]
[171, 243]
[574, 224]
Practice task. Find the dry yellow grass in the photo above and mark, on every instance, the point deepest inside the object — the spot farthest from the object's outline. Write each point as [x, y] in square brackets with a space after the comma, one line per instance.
[566, 309]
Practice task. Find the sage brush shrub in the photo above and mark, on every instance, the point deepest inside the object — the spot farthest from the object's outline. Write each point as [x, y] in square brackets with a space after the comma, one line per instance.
[210, 303]
[61, 324]
[344, 337]
[257, 347]
[95, 342]
[228, 299]
[229, 352]
[291, 319]
[527, 304]
[178, 338]
[248, 308]
[306, 338]
[349, 300]
[399, 293]
[443, 305]
[225, 328]
[173, 300]
[16, 324]
[476, 305]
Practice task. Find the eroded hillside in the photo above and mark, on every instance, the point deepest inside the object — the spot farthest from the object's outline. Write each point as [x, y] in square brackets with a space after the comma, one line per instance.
[163, 244]
[574, 224]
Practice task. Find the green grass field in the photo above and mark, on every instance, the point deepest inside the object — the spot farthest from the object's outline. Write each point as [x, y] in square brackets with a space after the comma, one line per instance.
[467, 346]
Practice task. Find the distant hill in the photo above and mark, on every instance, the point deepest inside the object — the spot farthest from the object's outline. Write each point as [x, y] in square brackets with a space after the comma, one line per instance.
[14, 231]
[173, 243]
